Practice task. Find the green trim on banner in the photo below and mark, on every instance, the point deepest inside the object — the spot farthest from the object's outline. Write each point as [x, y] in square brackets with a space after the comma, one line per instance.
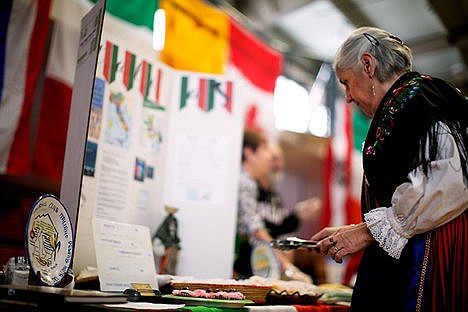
[148, 80]
[137, 12]
[183, 92]
[211, 95]
[114, 64]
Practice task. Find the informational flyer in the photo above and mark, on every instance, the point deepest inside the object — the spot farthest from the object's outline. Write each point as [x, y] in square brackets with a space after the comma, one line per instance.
[201, 169]
[124, 255]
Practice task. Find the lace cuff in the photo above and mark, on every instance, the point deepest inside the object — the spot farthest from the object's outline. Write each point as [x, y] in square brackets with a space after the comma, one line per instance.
[386, 230]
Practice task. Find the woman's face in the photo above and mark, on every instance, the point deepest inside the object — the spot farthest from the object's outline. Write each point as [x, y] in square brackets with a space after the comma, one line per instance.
[358, 90]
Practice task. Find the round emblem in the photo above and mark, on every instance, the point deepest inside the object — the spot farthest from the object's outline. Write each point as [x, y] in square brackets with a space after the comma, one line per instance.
[264, 261]
[49, 240]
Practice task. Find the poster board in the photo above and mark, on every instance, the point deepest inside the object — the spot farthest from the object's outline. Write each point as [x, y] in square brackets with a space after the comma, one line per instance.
[90, 35]
[202, 170]
[152, 131]
[122, 177]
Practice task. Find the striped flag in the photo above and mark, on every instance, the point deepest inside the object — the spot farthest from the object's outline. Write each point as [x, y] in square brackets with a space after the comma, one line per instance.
[158, 86]
[206, 94]
[184, 95]
[221, 93]
[56, 98]
[111, 63]
[145, 82]
[24, 27]
[129, 70]
[256, 67]
[343, 168]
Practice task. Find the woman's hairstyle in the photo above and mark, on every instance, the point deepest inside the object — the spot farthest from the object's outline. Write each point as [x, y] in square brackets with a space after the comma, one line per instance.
[391, 55]
[252, 139]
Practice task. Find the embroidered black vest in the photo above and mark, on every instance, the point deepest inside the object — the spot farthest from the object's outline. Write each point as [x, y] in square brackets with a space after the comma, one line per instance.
[397, 139]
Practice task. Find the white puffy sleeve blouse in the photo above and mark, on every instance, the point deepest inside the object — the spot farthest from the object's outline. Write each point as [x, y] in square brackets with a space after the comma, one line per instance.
[423, 203]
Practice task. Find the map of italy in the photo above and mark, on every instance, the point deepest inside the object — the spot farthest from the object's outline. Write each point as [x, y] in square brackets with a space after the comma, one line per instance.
[119, 122]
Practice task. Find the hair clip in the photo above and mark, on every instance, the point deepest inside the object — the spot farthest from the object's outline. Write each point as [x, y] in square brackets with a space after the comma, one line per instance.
[395, 38]
[371, 39]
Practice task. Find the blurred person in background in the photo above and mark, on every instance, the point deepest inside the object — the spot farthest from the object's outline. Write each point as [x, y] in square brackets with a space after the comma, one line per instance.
[304, 213]
[414, 232]
[261, 217]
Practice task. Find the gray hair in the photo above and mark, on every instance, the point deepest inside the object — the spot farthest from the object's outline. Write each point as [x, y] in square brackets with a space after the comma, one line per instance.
[391, 55]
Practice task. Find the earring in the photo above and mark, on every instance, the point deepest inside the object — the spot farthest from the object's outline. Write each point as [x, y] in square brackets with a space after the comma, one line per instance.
[372, 87]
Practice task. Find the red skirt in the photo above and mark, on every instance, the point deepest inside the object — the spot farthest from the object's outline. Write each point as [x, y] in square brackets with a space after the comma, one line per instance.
[447, 281]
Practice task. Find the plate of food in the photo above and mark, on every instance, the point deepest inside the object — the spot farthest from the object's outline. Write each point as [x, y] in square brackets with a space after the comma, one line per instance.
[251, 291]
[289, 292]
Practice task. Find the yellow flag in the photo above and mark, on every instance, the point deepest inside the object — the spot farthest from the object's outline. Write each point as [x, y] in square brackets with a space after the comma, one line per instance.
[197, 36]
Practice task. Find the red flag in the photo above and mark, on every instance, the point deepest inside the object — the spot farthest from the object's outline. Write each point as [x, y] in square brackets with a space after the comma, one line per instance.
[57, 92]
[343, 170]
[26, 24]
[255, 60]
[257, 66]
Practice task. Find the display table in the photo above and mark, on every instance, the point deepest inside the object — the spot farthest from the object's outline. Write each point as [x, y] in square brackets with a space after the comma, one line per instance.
[6, 305]
[318, 307]
[39, 298]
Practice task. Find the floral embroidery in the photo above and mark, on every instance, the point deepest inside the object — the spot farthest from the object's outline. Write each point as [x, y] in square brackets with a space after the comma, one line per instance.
[397, 102]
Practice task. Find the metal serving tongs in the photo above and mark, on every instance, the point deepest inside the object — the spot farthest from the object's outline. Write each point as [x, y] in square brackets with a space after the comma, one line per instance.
[290, 243]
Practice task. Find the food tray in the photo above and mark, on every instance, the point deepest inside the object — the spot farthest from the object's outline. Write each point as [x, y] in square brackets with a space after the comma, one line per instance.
[256, 293]
[283, 297]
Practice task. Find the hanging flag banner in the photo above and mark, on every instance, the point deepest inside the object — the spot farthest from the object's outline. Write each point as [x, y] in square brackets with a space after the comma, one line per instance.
[343, 168]
[203, 32]
[135, 70]
[24, 30]
[110, 61]
[51, 139]
[205, 93]
[255, 67]
[129, 69]
[257, 62]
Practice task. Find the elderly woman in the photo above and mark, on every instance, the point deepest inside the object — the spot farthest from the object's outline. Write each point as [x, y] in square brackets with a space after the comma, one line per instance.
[414, 195]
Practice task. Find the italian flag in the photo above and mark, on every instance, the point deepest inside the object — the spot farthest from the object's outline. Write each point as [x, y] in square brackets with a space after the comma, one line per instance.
[205, 93]
[129, 69]
[145, 82]
[110, 61]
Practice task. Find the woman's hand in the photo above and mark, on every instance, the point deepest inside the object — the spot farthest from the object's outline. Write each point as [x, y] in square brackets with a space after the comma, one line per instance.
[338, 242]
